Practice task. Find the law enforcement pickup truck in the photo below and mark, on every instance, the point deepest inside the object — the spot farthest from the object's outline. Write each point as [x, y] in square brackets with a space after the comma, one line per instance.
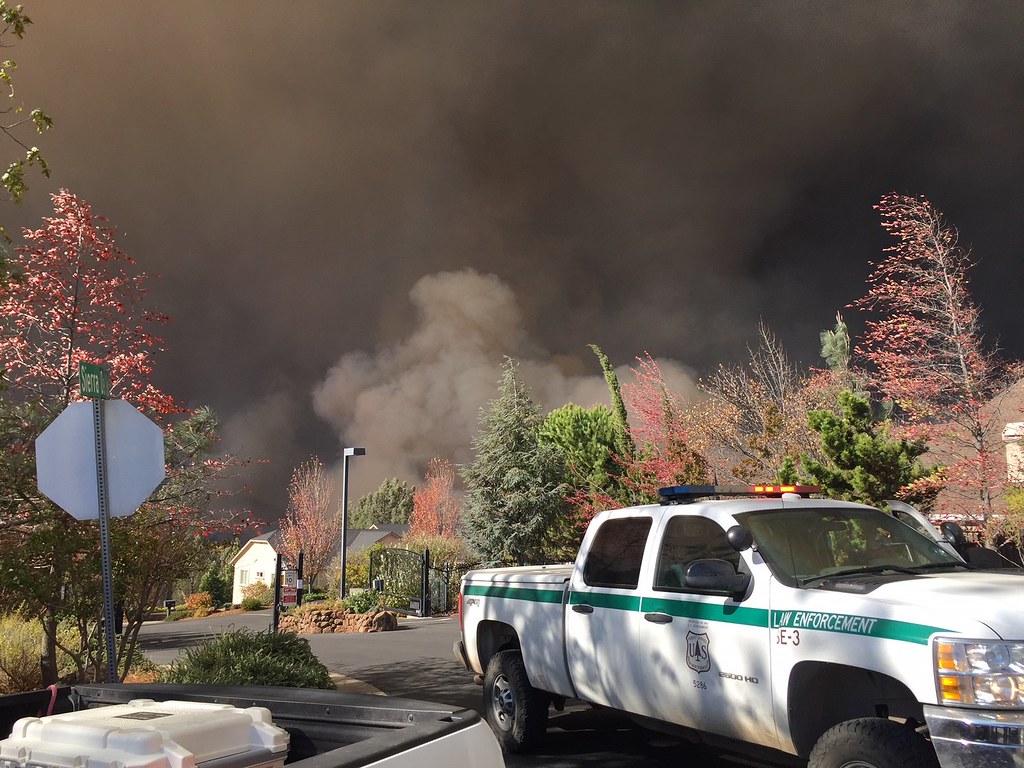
[790, 627]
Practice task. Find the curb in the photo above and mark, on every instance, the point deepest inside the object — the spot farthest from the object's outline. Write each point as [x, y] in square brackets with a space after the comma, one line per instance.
[351, 685]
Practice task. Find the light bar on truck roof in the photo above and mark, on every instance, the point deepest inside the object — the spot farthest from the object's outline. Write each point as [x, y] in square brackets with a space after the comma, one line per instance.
[683, 493]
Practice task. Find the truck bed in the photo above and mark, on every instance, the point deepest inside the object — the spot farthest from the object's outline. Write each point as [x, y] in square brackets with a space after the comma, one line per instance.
[327, 729]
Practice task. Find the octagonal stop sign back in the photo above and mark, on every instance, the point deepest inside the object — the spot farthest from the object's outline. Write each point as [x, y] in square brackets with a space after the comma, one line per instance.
[66, 459]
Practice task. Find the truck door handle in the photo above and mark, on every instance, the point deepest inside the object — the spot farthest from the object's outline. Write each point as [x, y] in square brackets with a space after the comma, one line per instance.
[583, 608]
[658, 618]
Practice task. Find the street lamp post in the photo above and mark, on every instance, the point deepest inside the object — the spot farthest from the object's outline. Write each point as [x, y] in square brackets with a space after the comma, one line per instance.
[349, 452]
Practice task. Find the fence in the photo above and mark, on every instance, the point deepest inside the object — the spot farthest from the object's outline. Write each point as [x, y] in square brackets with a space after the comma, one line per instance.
[410, 585]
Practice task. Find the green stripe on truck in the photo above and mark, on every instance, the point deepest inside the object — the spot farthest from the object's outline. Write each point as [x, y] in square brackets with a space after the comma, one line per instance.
[515, 593]
[847, 624]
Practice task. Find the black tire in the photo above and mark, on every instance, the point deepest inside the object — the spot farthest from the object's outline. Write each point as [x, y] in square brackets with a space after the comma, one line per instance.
[516, 711]
[872, 742]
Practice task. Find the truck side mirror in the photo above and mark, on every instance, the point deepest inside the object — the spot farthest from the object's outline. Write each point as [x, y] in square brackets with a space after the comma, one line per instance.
[739, 538]
[714, 575]
[953, 533]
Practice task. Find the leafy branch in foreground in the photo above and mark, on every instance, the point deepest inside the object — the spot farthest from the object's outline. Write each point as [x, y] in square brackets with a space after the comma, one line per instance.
[15, 22]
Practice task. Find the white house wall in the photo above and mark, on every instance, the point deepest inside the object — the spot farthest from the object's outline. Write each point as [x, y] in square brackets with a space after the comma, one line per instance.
[257, 563]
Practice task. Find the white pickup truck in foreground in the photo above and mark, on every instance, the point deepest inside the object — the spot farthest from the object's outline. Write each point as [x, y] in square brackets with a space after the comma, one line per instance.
[785, 626]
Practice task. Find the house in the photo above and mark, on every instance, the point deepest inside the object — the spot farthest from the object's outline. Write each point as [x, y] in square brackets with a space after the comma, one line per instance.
[1002, 416]
[257, 558]
[359, 539]
[255, 561]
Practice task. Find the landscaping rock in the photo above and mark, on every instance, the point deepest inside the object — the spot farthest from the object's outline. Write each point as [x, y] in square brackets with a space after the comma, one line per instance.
[330, 620]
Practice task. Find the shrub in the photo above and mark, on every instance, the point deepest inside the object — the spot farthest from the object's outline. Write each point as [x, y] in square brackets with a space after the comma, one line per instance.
[177, 614]
[19, 653]
[248, 658]
[251, 604]
[200, 604]
[319, 605]
[363, 602]
[199, 601]
[259, 590]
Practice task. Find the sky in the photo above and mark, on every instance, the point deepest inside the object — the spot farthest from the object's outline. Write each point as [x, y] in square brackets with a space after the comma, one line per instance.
[357, 209]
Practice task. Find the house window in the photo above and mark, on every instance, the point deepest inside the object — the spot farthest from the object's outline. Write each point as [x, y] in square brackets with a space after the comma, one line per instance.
[259, 574]
[243, 577]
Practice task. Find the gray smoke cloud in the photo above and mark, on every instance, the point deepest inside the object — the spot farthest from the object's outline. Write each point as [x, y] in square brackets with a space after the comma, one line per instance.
[422, 397]
[651, 177]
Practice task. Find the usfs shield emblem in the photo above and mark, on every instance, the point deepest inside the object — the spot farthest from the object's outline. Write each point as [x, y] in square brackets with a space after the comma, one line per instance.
[697, 656]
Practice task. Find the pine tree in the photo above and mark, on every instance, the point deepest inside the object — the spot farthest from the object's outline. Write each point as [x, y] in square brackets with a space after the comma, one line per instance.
[861, 462]
[514, 486]
[390, 504]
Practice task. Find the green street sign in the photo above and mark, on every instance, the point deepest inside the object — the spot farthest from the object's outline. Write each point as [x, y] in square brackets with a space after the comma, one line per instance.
[94, 381]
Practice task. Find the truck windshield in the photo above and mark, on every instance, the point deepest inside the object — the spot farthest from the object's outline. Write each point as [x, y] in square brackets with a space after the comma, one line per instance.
[803, 545]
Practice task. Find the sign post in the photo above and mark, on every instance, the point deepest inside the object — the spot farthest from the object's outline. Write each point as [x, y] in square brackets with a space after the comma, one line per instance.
[97, 460]
[102, 501]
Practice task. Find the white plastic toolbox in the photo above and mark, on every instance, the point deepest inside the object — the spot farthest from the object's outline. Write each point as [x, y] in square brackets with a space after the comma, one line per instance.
[148, 734]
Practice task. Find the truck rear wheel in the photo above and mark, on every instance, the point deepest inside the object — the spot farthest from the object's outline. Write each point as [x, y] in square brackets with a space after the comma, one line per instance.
[516, 711]
[872, 742]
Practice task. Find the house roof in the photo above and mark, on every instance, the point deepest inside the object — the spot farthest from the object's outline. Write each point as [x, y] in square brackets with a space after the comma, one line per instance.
[399, 530]
[356, 538]
[272, 538]
[364, 538]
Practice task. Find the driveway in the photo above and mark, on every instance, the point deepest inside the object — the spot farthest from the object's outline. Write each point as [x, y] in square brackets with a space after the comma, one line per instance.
[415, 661]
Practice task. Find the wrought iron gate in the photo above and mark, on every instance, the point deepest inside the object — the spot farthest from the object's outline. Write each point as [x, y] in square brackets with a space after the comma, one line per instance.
[411, 585]
[400, 575]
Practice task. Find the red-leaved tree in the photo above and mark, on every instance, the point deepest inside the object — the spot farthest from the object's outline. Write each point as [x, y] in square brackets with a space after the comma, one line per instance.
[76, 297]
[659, 452]
[311, 525]
[928, 352]
[664, 456]
[435, 509]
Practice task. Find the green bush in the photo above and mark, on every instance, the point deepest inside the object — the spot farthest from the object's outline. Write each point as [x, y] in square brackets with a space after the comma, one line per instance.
[177, 614]
[251, 603]
[363, 602]
[248, 658]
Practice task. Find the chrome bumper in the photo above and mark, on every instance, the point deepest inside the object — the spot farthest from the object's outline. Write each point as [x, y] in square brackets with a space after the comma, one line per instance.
[976, 738]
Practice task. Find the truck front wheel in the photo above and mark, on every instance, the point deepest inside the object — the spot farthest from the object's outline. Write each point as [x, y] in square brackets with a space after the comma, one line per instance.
[872, 742]
[517, 712]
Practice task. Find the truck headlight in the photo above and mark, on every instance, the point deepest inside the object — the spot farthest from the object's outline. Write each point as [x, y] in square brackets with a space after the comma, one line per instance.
[979, 673]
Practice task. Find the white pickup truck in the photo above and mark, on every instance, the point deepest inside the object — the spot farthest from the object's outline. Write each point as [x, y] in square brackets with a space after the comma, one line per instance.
[787, 626]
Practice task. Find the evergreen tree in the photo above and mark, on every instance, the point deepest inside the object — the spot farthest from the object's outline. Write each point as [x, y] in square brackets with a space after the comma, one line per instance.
[214, 583]
[514, 486]
[623, 439]
[391, 504]
[587, 438]
[835, 347]
[861, 462]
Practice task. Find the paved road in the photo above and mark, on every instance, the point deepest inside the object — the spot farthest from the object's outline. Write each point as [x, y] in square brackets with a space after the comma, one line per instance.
[416, 662]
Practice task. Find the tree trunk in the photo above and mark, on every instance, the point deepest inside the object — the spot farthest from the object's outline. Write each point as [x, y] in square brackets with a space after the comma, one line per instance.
[48, 656]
